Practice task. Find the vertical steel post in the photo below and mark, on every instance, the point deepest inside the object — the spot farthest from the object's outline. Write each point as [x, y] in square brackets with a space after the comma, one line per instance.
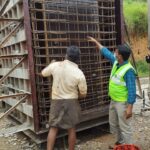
[119, 21]
[27, 26]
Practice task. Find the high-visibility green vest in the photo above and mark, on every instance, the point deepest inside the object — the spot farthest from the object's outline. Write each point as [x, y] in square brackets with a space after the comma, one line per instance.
[117, 85]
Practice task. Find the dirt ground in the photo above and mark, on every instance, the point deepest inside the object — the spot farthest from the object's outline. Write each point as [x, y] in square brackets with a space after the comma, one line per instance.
[140, 47]
[14, 141]
[97, 138]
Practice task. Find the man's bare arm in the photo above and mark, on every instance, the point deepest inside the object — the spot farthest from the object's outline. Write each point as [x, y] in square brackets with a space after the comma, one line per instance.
[47, 70]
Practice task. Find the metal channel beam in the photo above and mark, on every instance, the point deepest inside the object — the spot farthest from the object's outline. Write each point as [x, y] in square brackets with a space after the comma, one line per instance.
[27, 26]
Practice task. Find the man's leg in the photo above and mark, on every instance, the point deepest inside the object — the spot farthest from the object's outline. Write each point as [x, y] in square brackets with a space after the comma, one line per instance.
[114, 122]
[71, 138]
[51, 138]
[124, 124]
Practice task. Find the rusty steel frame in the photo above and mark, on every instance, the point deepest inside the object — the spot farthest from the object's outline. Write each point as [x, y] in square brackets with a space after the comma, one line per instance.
[28, 32]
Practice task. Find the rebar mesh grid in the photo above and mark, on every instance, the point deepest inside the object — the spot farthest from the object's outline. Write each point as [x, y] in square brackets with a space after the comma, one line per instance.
[56, 24]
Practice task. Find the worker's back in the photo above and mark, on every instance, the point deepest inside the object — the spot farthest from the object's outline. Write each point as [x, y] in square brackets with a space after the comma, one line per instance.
[67, 80]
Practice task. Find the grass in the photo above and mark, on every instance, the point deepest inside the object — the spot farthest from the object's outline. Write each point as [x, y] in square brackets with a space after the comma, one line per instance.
[143, 68]
[135, 13]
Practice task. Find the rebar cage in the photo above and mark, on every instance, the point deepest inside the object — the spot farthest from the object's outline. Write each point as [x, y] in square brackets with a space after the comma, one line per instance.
[56, 24]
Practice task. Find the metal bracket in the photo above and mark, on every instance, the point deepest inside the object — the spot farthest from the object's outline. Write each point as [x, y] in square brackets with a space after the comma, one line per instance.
[13, 95]
[4, 77]
[12, 108]
[4, 7]
[10, 19]
[10, 34]
[13, 56]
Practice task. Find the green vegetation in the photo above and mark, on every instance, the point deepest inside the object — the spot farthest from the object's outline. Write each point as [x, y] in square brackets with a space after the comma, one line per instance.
[135, 12]
[135, 1]
[142, 68]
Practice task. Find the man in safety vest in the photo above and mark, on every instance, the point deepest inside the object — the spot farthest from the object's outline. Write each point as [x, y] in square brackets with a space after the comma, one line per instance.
[122, 90]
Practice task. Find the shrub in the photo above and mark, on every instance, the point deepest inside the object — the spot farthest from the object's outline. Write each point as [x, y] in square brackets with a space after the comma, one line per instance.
[142, 68]
[135, 13]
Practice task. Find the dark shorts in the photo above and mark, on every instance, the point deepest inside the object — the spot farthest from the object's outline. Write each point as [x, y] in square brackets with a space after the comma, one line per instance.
[64, 114]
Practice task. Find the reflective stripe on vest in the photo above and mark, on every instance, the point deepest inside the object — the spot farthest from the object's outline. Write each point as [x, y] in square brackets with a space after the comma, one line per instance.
[117, 78]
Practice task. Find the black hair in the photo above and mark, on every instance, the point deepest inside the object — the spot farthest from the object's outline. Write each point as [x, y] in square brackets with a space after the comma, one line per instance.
[73, 53]
[124, 50]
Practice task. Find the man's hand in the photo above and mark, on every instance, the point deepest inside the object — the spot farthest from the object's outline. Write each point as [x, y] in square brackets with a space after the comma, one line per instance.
[91, 39]
[128, 112]
[81, 95]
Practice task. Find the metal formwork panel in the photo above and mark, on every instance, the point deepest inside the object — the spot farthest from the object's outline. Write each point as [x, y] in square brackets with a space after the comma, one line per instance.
[57, 24]
[14, 63]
